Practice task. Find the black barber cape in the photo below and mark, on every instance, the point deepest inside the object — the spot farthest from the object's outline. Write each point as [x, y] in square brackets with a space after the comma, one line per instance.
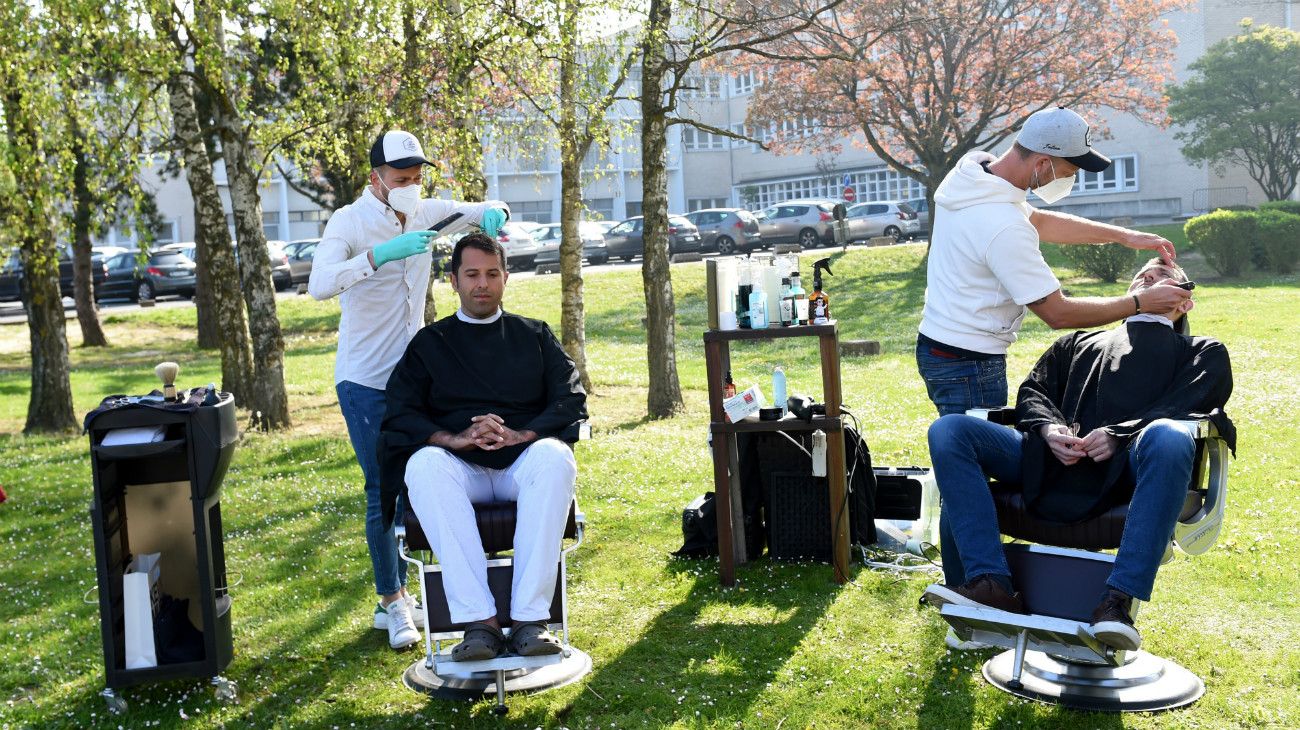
[1120, 379]
[453, 370]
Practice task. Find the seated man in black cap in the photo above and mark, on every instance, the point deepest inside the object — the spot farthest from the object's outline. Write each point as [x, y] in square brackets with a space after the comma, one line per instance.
[475, 407]
[1097, 423]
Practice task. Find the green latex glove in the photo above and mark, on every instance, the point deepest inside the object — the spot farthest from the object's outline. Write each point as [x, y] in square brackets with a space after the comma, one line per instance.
[493, 219]
[410, 243]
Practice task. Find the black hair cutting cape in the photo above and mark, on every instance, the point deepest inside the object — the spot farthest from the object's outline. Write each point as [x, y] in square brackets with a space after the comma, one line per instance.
[454, 370]
[1119, 380]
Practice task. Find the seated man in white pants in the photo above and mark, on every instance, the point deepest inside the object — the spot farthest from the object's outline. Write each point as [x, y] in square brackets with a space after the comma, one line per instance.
[474, 409]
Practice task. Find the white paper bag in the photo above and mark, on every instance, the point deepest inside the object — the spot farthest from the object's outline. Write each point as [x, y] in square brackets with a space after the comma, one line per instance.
[139, 604]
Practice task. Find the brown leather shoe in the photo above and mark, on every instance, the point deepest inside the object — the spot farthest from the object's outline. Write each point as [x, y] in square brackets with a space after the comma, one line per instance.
[1112, 621]
[982, 592]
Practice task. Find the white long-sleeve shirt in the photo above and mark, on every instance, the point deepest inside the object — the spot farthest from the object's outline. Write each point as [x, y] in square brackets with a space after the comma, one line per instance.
[384, 308]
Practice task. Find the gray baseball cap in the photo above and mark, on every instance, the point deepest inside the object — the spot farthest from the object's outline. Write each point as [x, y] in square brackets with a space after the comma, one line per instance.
[1061, 133]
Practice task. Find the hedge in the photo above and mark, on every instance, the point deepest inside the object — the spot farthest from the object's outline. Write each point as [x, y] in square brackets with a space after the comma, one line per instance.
[1279, 237]
[1285, 206]
[1225, 237]
[1107, 262]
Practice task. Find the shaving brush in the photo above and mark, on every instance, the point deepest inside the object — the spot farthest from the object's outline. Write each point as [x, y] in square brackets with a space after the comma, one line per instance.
[166, 372]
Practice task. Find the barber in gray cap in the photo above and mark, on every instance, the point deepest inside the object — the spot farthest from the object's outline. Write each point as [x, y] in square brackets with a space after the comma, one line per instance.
[985, 267]
[375, 257]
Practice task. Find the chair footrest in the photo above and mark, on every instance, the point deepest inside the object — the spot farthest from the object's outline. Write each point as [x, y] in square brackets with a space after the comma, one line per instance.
[443, 662]
[1048, 634]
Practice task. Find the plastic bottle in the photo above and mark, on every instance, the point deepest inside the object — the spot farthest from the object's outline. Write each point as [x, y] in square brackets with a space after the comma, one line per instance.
[819, 303]
[757, 305]
[772, 289]
[743, 288]
[729, 388]
[800, 298]
[778, 389]
[787, 303]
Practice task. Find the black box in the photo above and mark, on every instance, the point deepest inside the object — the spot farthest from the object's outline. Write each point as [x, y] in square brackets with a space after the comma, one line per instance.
[898, 492]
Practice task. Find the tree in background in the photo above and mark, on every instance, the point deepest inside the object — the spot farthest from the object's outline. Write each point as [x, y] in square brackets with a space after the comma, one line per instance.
[573, 95]
[923, 83]
[1242, 106]
[32, 171]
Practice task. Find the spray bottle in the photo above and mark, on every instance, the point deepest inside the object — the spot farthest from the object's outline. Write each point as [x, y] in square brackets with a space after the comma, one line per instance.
[757, 303]
[819, 303]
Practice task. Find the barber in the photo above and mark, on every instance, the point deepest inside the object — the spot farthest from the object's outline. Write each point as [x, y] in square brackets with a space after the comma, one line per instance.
[986, 268]
[375, 257]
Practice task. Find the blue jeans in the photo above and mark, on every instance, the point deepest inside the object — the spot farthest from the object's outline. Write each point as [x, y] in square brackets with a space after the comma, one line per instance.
[955, 385]
[363, 411]
[966, 451]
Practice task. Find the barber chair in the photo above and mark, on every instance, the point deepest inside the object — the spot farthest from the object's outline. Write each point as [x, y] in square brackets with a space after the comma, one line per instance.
[1052, 655]
[436, 674]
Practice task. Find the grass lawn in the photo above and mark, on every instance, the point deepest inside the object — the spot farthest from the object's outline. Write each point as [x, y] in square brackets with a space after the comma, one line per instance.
[787, 648]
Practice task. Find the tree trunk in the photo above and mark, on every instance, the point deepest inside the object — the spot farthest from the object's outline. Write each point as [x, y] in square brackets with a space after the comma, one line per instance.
[664, 398]
[50, 405]
[573, 314]
[83, 280]
[216, 253]
[209, 334]
[269, 402]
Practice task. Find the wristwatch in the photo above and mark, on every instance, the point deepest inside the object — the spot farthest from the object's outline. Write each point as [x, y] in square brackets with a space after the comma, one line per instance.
[1137, 305]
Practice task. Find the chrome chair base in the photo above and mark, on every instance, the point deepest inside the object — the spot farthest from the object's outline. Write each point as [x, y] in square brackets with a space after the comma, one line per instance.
[1142, 683]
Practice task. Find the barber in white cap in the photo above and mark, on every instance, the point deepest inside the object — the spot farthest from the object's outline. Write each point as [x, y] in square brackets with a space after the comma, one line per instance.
[985, 267]
[375, 257]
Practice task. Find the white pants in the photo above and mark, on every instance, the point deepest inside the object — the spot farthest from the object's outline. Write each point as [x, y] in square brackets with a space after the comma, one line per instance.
[441, 490]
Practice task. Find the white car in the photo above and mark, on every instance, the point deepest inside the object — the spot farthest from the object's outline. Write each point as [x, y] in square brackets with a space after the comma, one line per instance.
[521, 249]
[882, 218]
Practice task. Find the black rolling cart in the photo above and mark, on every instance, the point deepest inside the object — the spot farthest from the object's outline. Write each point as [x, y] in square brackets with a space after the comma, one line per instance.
[163, 496]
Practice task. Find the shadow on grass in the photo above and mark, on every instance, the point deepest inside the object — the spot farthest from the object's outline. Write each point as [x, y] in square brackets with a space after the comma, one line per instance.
[698, 655]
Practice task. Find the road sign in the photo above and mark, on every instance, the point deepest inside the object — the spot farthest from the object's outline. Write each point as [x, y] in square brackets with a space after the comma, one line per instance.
[849, 195]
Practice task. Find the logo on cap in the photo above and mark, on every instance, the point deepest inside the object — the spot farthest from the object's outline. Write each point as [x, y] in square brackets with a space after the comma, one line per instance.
[409, 144]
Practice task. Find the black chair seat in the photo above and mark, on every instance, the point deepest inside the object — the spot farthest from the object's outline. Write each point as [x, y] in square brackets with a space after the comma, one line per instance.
[1102, 532]
[496, 526]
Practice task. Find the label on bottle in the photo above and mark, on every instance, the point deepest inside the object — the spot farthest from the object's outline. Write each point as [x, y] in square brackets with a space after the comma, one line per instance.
[787, 311]
[801, 310]
[819, 313]
[757, 318]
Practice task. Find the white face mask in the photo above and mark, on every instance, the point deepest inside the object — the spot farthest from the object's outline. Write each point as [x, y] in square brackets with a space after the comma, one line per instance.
[1055, 190]
[405, 199]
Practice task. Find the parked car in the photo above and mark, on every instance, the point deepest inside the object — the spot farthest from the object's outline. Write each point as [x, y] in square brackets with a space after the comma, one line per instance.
[281, 274]
[881, 218]
[548, 243]
[627, 241]
[727, 230]
[164, 272]
[109, 251]
[805, 222]
[922, 208]
[300, 253]
[11, 274]
[520, 247]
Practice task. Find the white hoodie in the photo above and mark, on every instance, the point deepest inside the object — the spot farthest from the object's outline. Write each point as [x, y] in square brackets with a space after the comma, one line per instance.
[984, 261]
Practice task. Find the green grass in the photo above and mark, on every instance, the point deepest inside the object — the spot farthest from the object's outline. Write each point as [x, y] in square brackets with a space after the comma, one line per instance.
[671, 648]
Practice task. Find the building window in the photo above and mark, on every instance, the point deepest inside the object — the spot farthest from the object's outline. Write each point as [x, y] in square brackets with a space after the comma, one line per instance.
[697, 139]
[744, 83]
[306, 216]
[634, 208]
[695, 204]
[533, 211]
[599, 209]
[801, 127]
[1121, 176]
[701, 87]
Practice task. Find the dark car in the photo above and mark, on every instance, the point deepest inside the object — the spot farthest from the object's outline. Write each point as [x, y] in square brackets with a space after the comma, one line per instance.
[164, 272]
[11, 274]
[281, 273]
[300, 255]
[626, 240]
[727, 230]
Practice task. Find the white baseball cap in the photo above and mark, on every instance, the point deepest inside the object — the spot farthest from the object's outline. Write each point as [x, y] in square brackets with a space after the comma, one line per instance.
[397, 149]
[1061, 133]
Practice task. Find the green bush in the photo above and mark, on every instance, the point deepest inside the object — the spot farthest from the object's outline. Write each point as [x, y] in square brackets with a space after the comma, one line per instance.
[1285, 206]
[1279, 237]
[1226, 238]
[1107, 262]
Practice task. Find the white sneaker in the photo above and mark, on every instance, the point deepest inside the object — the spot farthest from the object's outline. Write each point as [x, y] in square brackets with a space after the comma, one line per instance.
[401, 629]
[417, 614]
[956, 643]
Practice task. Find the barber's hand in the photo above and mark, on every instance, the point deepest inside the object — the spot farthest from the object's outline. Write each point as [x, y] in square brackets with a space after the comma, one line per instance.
[1163, 297]
[1065, 445]
[1099, 445]
[1140, 241]
[493, 219]
[407, 244]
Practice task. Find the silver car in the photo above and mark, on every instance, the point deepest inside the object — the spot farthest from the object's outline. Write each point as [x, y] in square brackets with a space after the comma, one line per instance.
[922, 208]
[882, 218]
[593, 242]
[806, 222]
[727, 230]
[521, 249]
